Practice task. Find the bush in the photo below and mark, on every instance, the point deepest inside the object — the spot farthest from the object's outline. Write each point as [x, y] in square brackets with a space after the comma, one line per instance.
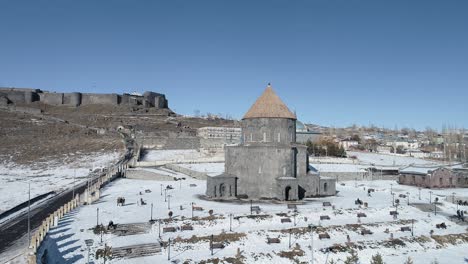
[377, 259]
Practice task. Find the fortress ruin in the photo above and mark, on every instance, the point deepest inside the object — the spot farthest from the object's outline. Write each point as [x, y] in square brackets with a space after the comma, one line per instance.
[21, 96]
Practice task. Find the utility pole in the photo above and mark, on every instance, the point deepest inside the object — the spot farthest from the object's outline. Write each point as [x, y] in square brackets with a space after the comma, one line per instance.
[169, 249]
[151, 219]
[412, 227]
[311, 244]
[192, 210]
[29, 211]
[73, 190]
[211, 245]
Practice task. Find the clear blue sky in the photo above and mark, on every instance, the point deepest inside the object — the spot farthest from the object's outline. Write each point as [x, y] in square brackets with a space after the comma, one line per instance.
[335, 63]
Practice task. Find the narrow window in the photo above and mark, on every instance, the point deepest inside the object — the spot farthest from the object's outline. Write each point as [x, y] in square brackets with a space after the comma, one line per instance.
[251, 137]
[279, 137]
[264, 136]
[260, 170]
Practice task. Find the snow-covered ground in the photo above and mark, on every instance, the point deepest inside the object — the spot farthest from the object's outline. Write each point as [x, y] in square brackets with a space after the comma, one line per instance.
[46, 177]
[247, 241]
[388, 159]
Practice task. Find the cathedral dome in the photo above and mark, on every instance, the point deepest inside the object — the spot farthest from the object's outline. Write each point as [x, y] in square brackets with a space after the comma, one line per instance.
[269, 105]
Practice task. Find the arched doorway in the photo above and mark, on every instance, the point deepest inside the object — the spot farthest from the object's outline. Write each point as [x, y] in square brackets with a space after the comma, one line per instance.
[222, 189]
[287, 193]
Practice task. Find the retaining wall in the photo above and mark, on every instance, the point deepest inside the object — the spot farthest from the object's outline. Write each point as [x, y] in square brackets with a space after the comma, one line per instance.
[194, 174]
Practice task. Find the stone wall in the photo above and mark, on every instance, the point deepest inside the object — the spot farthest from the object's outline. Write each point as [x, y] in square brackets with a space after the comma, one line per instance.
[26, 96]
[146, 175]
[279, 130]
[51, 98]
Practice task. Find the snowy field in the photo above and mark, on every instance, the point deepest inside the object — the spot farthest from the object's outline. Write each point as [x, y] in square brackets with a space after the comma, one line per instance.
[388, 160]
[46, 177]
[247, 240]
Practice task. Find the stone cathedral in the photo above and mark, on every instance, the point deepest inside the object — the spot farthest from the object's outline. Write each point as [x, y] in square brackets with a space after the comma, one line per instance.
[268, 163]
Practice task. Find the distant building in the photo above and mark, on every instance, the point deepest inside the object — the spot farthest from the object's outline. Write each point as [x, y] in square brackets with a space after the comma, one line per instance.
[440, 177]
[268, 163]
[347, 144]
[214, 139]
[304, 134]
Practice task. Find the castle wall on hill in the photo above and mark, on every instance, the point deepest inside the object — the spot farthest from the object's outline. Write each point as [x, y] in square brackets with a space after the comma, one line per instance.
[27, 96]
[87, 99]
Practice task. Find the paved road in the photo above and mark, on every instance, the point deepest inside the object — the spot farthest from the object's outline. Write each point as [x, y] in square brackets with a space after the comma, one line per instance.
[15, 229]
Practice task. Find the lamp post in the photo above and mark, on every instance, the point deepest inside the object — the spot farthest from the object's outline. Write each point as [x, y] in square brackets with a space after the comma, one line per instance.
[391, 188]
[407, 195]
[165, 195]
[29, 211]
[97, 216]
[453, 197]
[230, 222]
[419, 189]
[430, 197]
[169, 201]
[412, 227]
[393, 201]
[311, 228]
[151, 219]
[161, 189]
[192, 209]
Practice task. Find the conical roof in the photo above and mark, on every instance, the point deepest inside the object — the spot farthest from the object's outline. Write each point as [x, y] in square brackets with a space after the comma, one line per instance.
[269, 105]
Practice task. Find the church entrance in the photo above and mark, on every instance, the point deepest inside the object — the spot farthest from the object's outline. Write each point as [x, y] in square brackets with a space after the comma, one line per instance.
[287, 193]
[222, 190]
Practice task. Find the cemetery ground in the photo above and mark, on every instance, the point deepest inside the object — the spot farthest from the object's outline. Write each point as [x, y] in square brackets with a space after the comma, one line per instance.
[179, 225]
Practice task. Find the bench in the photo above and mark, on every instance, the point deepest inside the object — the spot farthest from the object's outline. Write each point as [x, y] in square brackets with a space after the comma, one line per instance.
[273, 240]
[170, 229]
[324, 236]
[285, 220]
[361, 215]
[325, 204]
[393, 213]
[292, 206]
[217, 245]
[255, 209]
[324, 217]
[197, 208]
[405, 228]
[186, 228]
[366, 232]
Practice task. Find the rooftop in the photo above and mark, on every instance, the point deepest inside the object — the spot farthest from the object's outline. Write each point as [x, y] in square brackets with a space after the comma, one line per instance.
[269, 105]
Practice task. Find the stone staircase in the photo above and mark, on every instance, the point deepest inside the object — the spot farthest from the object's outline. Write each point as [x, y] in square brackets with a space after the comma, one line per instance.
[131, 229]
[136, 251]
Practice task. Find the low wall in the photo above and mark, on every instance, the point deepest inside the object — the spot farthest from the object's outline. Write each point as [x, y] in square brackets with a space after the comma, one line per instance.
[139, 174]
[194, 174]
[166, 162]
[360, 176]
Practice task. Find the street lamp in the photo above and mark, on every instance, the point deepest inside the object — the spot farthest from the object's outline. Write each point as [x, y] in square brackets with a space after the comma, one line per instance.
[430, 197]
[89, 243]
[169, 201]
[311, 228]
[407, 195]
[393, 202]
[391, 188]
[419, 193]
